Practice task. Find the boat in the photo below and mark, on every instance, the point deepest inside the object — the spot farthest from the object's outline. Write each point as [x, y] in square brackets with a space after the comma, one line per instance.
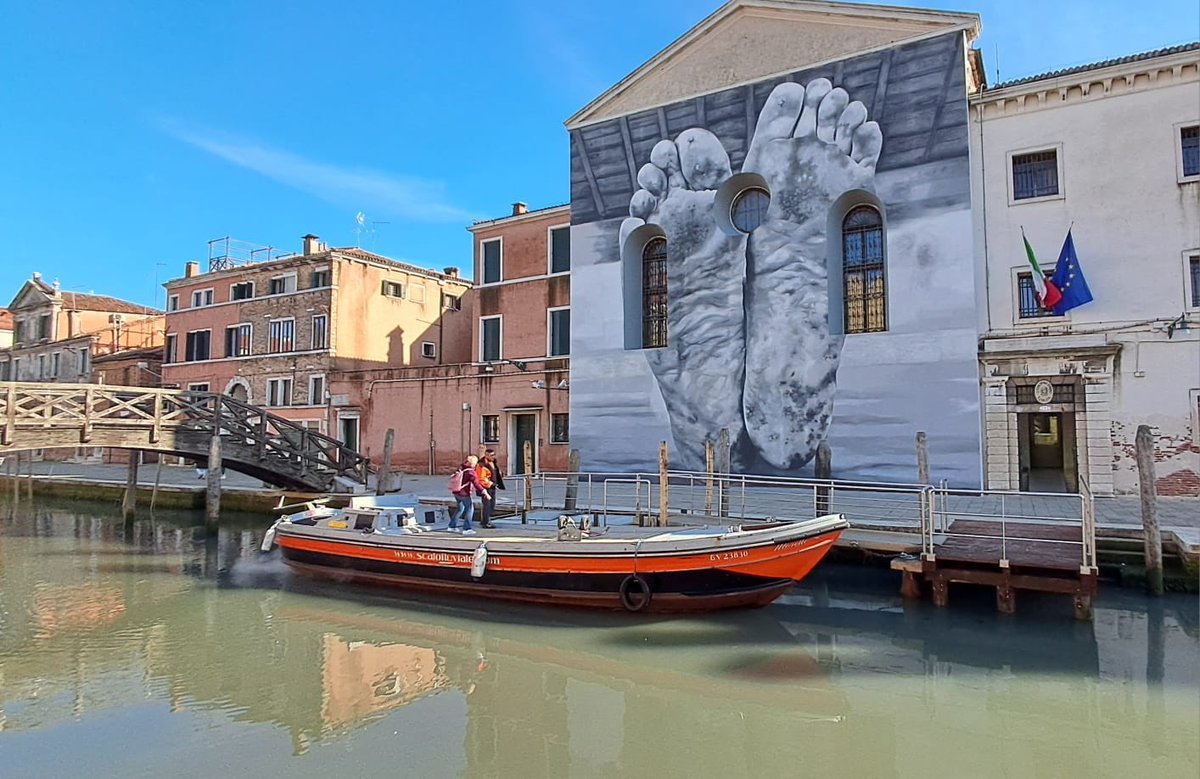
[567, 559]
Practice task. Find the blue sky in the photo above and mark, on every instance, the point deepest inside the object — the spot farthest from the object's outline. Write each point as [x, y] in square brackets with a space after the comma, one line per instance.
[135, 132]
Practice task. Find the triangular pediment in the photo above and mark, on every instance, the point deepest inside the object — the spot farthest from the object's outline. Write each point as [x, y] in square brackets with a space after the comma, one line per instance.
[748, 40]
[29, 296]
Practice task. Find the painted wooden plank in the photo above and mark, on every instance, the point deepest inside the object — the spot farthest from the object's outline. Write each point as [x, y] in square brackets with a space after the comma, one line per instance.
[581, 150]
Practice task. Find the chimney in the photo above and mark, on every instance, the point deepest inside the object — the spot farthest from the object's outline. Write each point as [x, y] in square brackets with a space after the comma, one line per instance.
[519, 208]
[312, 244]
[191, 270]
[451, 272]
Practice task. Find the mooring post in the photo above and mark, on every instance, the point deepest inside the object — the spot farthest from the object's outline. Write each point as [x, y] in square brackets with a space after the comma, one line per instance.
[157, 478]
[723, 469]
[527, 461]
[922, 459]
[382, 482]
[823, 471]
[1152, 539]
[129, 500]
[708, 472]
[572, 497]
[29, 479]
[212, 497]
[664, 485]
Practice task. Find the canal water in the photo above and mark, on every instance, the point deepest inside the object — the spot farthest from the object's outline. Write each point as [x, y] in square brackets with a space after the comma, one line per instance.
[145, 650]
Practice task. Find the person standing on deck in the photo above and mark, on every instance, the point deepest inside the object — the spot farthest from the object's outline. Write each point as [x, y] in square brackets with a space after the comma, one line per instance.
[489, 472]
[469, 483]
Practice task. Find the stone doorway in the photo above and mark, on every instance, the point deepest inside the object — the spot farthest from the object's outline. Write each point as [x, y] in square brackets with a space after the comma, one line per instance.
[1047, 451]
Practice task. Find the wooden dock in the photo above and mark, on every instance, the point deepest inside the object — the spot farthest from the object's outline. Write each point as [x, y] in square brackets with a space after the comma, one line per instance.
[1029, 555]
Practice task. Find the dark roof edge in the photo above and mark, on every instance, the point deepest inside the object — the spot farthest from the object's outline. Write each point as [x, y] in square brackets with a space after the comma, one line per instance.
[1139, 57]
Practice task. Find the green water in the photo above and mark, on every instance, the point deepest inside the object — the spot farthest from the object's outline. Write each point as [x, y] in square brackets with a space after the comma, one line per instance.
[145, 650]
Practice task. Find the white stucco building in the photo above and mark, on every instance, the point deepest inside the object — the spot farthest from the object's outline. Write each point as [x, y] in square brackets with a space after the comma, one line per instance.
[1111, 149]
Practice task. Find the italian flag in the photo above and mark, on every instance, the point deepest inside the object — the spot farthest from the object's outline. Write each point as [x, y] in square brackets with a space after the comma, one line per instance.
[1048, 294]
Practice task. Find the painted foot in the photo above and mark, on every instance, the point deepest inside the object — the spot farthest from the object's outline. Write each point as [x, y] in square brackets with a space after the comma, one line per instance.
[811, 146]
[700, 369]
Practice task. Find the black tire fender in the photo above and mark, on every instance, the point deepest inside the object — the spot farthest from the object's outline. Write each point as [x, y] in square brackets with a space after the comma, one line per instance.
[629, 585]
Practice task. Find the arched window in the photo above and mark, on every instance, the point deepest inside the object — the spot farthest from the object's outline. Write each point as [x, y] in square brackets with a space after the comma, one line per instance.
[864, 288]
[654, 293]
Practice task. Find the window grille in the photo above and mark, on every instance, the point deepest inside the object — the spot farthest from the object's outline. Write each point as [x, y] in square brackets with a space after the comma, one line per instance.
[864, 288]
[654, 294]
[1035, 175]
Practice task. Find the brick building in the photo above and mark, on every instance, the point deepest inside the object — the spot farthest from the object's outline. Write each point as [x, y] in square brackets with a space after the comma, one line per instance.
[6, 328]
[272, 330]
[512, 385]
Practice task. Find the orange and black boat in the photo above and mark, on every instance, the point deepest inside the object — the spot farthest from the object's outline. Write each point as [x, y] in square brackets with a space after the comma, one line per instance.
[569, 562]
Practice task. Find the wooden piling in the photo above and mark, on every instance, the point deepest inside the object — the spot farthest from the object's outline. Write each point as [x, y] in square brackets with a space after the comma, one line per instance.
[664, 486]
[1152, 538]
[708, 470]
[212, 497]
[29, 478]
[157, 478]
[723, 469]
[922, 459]
[382, 482]
[572, 497]
[129, 500]
[823, 471]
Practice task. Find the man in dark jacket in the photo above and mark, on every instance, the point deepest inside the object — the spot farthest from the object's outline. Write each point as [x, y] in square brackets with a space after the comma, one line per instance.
[492, 476]
[466, 506]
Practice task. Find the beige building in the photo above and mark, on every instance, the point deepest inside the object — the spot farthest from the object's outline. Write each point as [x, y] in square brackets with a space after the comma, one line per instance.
[1111, 152]
[56, 335]
[6, 328]
[270, 330]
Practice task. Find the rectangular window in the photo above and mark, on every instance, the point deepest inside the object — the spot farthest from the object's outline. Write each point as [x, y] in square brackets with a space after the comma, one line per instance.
[173, 303]
[202, 297]
[490, 261]
[55, 364]
[1194, 277]
[428, 349]
[41, 366]
[316, 390]
[196, 347]
[393, 289]
[560, 332]
[280, 335]
[560, 249]
[1189, 141]
[243, 290]
[489, 428]
[451, 303]
[1035, 175]
[320, 331]
[5, 371]
[281, 285]
[43, 327]
[489, 338]
[198, 387]
[279, 392]
[1028, 306]
[237, 341]
[416, 293]
[85, 355]
[559, 428]
[320, 278]
[169, 349]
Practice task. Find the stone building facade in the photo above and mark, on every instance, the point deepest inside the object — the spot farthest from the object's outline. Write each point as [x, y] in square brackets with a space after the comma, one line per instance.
[272, 332]
[1110, 152]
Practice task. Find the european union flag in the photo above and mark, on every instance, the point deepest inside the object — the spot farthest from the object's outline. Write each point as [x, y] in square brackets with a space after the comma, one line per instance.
[1068, 278]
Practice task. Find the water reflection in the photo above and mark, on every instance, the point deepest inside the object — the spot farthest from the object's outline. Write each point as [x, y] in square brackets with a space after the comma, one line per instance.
[97, 617]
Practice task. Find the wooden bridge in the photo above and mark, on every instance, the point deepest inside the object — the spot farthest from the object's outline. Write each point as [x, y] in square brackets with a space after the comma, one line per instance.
[253, 441]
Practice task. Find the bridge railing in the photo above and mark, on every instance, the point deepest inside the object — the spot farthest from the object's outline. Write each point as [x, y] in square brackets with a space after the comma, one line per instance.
[87, 406]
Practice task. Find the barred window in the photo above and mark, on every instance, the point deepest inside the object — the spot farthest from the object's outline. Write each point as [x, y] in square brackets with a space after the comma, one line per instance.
[1035, 175]
[1189, 140]
[1028, 306]
[489, 428]
[863, 283]
[654, 294]
[560, 428]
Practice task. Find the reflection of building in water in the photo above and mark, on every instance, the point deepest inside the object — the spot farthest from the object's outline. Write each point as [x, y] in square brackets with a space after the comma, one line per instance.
[360, 680]
[59, 608]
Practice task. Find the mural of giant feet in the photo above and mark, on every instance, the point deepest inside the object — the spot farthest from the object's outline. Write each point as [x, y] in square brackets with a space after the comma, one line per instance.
[700, 371]
[811, 146]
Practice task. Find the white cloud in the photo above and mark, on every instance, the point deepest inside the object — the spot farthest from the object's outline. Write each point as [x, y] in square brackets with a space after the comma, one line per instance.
[409, 197]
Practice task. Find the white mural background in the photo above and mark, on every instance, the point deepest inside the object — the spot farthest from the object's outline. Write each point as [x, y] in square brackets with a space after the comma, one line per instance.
[754, 324]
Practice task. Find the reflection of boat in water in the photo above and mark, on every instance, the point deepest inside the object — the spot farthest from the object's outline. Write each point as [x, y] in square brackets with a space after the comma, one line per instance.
[695, 567]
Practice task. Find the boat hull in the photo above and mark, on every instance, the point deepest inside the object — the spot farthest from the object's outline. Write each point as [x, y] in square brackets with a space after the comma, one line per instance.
[702, 579]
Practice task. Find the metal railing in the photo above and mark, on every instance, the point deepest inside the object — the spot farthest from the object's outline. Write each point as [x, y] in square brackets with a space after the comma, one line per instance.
[1051, 522]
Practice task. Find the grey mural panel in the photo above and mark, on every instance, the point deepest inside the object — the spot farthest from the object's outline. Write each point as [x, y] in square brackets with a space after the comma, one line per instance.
[755, 294]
